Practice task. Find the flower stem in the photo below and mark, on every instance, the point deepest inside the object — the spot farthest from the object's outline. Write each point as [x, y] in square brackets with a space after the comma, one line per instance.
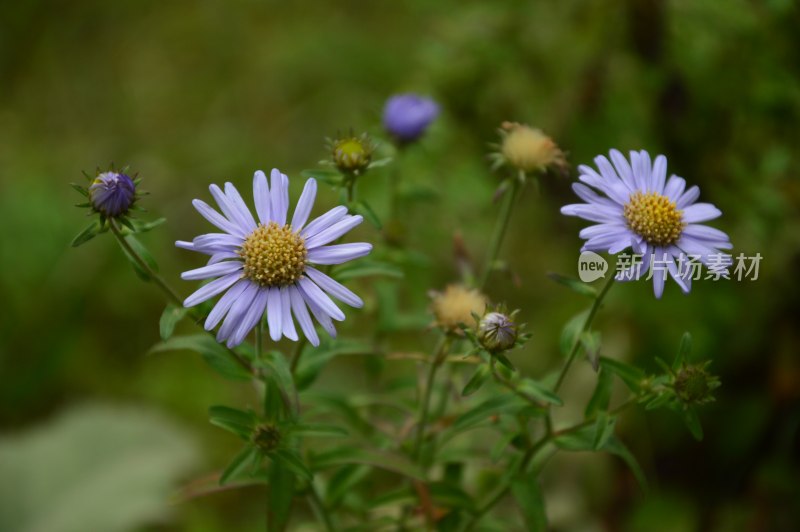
[500, 227]
[298, 352]
[586, 325]
[171, 294]
[440, 353]
[319, 508]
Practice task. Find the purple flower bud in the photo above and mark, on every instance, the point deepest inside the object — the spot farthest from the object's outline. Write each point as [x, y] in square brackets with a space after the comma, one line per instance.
[112, 194]
[407, 116]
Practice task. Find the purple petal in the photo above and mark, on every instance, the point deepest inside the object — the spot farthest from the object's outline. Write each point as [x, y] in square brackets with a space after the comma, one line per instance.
[250, 319]
[338, 253]
[334, 288]
[659, 174]
[333, 232]
[688, 197]
[211, 289]
[714, 236]
[228, 209]
[223, 255]
[623, 169]
[274, 314]
[213, 270]
[323, 222]
[594, 213]
[675, 274]
[208, 212]
[320, 315]
[590, 196]
[304, 205]
[237, 312]
[700, 212]
[602, 229]
[224, 304]
[675, 187]
[659, 271]
[279, 196]
[301, 313]
[261, 197]
[645, 170]
[312, 292]
[286, 315]
[240, 206]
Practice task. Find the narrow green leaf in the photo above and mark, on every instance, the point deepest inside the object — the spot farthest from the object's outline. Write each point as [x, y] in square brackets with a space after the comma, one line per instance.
[571, 331]
[343, 481]
[683, 351]
[528, 493]
[604, 429]
[616, 447]
[503, 359]
[501, 404]
[692, 421]
[573, 284]
[381, 459]
[378, 163]
[281, 494]
[630, 375]
[590, 341]
[539, 391]
[239, 422]
[577, 440]
[291, 460]
[280, 375]
[81, 190]
[242, 465]
[169, 318]
[317, 429]
[141, 226]
[658, 401]
[326, 175]
[477, 380]
[451, 495]
[602, 393]
[215, 355]
[91, 231]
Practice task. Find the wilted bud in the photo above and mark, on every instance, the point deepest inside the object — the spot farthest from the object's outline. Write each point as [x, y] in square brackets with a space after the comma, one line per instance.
[407, 116]
[497, 332]
[267, 437]
[112, 194]
[456, 305]
[528, 149]
[694, 385]
[352, 155]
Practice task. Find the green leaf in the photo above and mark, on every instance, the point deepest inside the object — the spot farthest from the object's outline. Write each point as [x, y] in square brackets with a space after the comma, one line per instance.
[528, 493]
[692, 422]
[630, 375]
[281, 494]
[317, 429]
[616, 447]
[503, 359]
[241, 466]
[378, 163]
[291, 460]
[363, 208]
[326, 175]
[571, 331]
[604, 429]
[91, 231]
[81, 190]
[538, 391]
[658, 401]
[381, 459]
[501, 404]
[602, 393]
[683, 351]
[367, 268]
[477, 380]
[217, 356]
[315, 359]
[573, 284]
[93, 467]
[140, 226]
[237, 421]
[169, 318]
[451, 496]
[343, 481]
[143, 253]
[590, 341]
[577, 440]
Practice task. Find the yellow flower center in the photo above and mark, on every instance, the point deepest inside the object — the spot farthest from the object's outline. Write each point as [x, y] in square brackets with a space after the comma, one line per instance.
[654, 217]
[274, 255]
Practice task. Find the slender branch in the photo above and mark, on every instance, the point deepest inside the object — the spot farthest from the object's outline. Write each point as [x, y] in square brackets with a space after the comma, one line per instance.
[500, 227]
[171, 294]
[503, 381]
[298, 352]
[586, 325]
[440, 353]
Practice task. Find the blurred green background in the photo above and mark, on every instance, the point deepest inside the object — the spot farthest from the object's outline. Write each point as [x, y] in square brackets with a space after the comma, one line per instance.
[193, 92]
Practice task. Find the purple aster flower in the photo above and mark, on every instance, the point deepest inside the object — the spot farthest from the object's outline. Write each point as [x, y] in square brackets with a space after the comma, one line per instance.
[112, 194]
[657, 217]
[266, 264]
[407, 116]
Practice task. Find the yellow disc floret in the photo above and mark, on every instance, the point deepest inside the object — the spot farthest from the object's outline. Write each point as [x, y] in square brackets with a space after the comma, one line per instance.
[654, 217]
[274, 255]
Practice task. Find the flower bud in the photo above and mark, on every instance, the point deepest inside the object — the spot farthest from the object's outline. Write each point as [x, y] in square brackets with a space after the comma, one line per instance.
[455, 306]
[694, 385]
[497, 332]
[528, 149]
[112, 194]
[266, 437]
[352, 155]
[407, 116]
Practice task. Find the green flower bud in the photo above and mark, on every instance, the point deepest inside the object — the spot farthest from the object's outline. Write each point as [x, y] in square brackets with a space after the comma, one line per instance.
[266, 437]
[694, 385]
[497, 332]
[352, 155]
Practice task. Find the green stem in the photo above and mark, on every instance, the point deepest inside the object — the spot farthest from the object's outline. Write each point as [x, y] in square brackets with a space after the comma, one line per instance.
[319, 508]
[586, 325]
[171, 294]
[503, 381]
[298, 352]
[530, 454]
[500, 227]
[439, 355]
